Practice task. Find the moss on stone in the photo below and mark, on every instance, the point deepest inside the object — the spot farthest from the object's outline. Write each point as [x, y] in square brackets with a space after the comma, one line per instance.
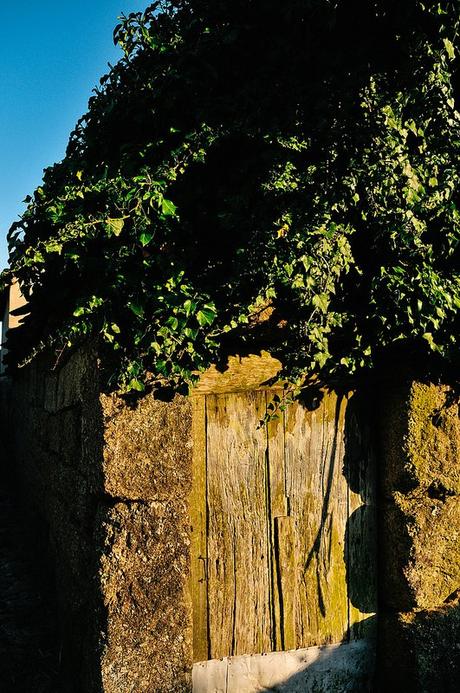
[420, 538]
[433, 441]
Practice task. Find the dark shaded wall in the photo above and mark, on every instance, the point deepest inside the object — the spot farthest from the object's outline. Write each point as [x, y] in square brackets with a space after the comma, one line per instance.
[419, 538]
[108, 488]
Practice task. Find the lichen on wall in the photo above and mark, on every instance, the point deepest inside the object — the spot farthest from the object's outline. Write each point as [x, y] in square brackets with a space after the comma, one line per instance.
[144, 539]
[420, 534]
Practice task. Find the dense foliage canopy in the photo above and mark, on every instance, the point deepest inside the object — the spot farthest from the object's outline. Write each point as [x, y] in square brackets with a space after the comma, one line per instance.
[255, 173]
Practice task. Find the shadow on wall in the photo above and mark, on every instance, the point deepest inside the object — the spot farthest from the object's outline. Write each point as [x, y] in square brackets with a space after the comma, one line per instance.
[423, 651]
[29, 657]
[333, 668]
[420, 651]
[108, 486]
[343, 668]
[347, 672]
[350, 665]
[52, 424]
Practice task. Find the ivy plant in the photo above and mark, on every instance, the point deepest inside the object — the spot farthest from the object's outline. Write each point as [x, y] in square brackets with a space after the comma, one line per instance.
[254, 174]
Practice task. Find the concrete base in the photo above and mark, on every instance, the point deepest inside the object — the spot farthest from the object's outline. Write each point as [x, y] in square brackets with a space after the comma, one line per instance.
[330, 669]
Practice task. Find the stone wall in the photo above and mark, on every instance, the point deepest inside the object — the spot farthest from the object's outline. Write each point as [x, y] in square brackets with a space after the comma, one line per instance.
[109, 486]
[420, 538]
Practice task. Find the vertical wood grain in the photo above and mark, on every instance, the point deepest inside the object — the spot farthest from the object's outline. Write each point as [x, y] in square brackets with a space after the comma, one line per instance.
[318, 496]
[277, 508]
[277, 472]
[198, 543]
[238, 551]
[291, 525]
[286, 565]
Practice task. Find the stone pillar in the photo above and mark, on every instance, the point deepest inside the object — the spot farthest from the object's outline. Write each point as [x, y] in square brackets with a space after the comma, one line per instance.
[420, 538]
[108, 483]
[143, 529]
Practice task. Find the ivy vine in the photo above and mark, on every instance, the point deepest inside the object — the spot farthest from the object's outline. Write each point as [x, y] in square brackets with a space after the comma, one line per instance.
[254, 174]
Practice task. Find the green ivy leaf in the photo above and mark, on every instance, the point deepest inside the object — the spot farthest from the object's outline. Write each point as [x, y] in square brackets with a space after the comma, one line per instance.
[206, 315]
[145, 238]
[321, 301]
[189, 306]
[172, 323]
[54, 247]
[115, 226]
[190, 333]
[449, 48]
[168, 208]
[137, 309]
[136, 384]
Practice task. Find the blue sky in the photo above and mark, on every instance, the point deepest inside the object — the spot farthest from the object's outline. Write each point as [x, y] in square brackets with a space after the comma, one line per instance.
[52, 54]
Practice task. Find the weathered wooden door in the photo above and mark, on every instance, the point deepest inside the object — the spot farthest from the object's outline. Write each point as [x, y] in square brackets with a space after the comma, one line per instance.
[283, 530]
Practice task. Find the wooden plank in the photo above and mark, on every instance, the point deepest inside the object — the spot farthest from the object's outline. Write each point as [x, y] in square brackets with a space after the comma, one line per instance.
[241, 374]
[238, 550]
[286, 566]
[318, 499]
[277, 472]
[361, 537]
[198, 543]
[277, 508]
